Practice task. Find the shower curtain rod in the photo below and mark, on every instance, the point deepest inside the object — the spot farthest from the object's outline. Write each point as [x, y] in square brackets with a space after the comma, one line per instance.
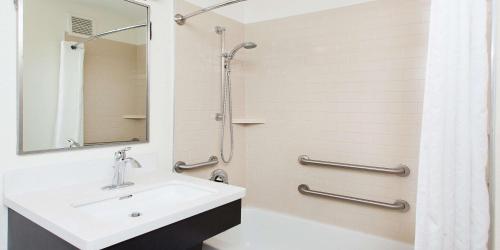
[74, 46]
[181, 19]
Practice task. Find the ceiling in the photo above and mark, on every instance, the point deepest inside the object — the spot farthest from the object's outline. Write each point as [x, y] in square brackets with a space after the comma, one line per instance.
[125, 8]
[253, 11]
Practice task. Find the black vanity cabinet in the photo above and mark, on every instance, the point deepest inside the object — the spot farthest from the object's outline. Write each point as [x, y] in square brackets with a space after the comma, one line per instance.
[187, 234]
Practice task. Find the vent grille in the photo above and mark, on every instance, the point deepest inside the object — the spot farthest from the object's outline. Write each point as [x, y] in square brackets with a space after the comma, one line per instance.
[81, 26]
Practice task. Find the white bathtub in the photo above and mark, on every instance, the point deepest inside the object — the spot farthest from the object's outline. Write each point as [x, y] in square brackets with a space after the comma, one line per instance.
[265, 230]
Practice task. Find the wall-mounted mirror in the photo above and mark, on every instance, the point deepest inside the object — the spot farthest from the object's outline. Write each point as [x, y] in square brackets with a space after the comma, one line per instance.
[83, 73]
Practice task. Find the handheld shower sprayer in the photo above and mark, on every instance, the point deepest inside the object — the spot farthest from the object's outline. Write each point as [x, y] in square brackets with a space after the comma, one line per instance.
[226, 114]
[246, 45]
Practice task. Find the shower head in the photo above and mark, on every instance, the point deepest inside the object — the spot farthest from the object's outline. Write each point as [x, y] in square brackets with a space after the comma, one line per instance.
[249, 45]
[246, 45]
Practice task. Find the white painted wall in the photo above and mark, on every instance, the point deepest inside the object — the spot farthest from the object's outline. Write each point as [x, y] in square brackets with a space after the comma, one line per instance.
[495, 168]
[161, 108]
[253, 11]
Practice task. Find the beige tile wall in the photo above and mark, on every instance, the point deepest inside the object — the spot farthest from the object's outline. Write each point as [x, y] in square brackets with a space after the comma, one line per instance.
[341, 85]
[197, 92]
[141, 91]
[114, 85]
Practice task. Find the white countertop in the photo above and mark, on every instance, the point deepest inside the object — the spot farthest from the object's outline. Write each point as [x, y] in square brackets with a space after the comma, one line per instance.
[54, 209]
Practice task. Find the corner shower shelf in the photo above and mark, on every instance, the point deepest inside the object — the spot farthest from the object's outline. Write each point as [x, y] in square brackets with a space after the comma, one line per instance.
[134, 117]
[248, 121]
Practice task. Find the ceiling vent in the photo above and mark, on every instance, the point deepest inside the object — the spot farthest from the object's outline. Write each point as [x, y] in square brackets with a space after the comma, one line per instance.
[81, 26]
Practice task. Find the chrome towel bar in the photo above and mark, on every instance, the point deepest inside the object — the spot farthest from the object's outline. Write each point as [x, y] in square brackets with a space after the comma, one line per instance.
[181, 166]
[400, 205]
[402, 170]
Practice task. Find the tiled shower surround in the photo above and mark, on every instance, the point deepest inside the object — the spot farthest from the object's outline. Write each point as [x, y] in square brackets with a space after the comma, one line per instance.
[342, 85]
[197, 92]
[131, 89]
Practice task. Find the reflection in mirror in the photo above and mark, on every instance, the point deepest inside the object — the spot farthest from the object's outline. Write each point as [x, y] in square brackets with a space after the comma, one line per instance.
[84, 73]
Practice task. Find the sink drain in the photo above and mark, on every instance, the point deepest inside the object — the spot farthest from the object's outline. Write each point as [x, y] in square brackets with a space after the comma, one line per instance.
[135, 214]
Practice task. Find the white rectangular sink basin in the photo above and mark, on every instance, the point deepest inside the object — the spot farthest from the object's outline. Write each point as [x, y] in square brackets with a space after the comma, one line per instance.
[90, 218]
[141, 203]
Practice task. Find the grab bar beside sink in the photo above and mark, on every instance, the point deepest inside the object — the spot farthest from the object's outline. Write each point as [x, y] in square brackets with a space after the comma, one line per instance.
[181, 166]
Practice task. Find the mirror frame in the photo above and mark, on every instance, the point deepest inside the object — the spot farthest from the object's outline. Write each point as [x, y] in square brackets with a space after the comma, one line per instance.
[19, 5]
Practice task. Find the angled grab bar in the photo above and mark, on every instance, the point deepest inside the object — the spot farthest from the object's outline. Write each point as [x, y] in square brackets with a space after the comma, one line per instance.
[181, 166]
[402, 170]
[399, 205]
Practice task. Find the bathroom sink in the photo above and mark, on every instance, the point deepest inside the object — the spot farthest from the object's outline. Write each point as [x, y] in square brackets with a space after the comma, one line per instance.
[140, 203]
[90, 218]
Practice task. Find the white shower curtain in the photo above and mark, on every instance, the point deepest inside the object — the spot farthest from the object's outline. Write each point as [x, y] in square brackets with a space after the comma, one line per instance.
[452, 198]
[69, 118]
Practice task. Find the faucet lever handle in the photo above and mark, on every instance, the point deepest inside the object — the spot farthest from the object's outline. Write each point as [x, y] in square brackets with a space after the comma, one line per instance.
[133, 162]
[122, 153]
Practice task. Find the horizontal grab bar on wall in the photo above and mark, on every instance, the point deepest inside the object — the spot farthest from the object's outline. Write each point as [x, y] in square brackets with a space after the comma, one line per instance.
[402, 170]
[181, 166]
[399, 205]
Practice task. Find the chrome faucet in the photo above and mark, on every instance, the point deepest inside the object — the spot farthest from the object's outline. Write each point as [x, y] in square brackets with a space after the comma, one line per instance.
[73, 143]
[121, 161]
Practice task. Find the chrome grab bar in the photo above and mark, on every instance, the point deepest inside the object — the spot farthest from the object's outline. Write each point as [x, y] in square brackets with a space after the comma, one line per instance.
[181, 166]
[400, 205]
[402, 170]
